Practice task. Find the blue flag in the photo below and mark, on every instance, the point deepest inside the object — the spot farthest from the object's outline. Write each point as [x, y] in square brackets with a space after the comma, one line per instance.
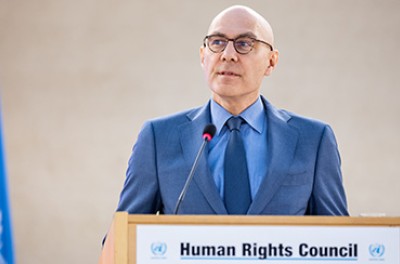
[6, 243]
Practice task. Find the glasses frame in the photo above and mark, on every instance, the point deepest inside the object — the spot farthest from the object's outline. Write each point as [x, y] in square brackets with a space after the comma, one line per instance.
[205, 43]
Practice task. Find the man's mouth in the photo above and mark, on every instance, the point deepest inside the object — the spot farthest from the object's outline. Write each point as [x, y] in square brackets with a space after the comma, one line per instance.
[228, 73]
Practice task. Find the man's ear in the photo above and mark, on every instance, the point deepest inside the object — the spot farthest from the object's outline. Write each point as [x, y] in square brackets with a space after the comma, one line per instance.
[202, 50]
[273, 61]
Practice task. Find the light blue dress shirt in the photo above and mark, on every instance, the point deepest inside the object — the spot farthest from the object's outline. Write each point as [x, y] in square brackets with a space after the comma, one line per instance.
[254, 133]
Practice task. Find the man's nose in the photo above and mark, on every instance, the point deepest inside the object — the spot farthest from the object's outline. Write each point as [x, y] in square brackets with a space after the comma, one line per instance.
[229, 53]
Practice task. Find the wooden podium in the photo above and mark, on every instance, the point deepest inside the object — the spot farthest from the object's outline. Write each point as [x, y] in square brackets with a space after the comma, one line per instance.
[120, 246]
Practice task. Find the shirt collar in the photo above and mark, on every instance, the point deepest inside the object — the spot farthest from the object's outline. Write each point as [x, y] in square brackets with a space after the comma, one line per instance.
[254, 115]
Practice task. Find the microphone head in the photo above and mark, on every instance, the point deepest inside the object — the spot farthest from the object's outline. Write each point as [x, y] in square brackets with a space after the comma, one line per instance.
[209, 132]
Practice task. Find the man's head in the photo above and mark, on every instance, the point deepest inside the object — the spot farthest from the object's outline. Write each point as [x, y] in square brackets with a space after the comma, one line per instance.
[234, 70]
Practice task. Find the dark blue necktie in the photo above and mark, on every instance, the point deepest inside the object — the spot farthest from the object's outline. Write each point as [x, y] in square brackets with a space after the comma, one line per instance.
[237, 195]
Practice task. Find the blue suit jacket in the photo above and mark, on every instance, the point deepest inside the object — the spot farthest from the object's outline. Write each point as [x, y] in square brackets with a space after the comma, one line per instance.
[304, 175]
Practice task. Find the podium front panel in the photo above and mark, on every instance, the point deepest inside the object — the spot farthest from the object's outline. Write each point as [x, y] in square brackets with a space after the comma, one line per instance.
[212, 244]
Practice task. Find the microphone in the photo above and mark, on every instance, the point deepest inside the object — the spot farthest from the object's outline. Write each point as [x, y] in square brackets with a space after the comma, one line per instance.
[208, 134]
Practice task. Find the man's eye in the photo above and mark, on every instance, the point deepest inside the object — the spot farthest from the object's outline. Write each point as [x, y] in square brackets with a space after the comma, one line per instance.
[243, 43]
[218, 42]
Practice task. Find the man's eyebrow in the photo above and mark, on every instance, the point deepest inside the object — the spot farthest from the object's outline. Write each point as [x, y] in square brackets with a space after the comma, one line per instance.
[219, 34]
[246, 34]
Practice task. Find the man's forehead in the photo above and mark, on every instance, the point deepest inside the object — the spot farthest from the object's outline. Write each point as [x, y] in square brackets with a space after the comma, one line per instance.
[233, 30]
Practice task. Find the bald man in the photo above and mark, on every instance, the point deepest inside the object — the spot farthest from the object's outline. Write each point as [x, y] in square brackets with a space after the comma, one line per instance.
[261, 161]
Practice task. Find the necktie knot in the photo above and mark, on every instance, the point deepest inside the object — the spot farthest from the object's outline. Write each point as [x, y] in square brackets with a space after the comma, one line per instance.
[234, 123]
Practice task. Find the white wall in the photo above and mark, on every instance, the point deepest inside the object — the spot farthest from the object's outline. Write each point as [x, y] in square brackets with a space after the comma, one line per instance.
[78, 79]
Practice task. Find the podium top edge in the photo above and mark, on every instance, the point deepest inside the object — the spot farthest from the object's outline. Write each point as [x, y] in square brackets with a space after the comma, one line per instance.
[260, 220]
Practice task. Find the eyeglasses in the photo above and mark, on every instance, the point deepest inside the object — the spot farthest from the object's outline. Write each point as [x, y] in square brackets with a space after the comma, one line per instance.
[242, 45]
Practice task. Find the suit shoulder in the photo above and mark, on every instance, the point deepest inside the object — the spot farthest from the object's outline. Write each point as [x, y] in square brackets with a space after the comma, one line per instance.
[310, 129]
[305, 123]
[292, 119]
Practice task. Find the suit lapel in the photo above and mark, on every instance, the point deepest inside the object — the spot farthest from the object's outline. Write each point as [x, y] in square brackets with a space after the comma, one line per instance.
[191, 141]
[282, 141]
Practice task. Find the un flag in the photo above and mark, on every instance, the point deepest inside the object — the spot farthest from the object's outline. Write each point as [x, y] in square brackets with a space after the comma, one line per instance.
[6, 243]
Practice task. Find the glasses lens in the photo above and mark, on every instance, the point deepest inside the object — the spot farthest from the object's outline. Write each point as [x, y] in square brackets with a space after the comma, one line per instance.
[244, 45]
[216, 43]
